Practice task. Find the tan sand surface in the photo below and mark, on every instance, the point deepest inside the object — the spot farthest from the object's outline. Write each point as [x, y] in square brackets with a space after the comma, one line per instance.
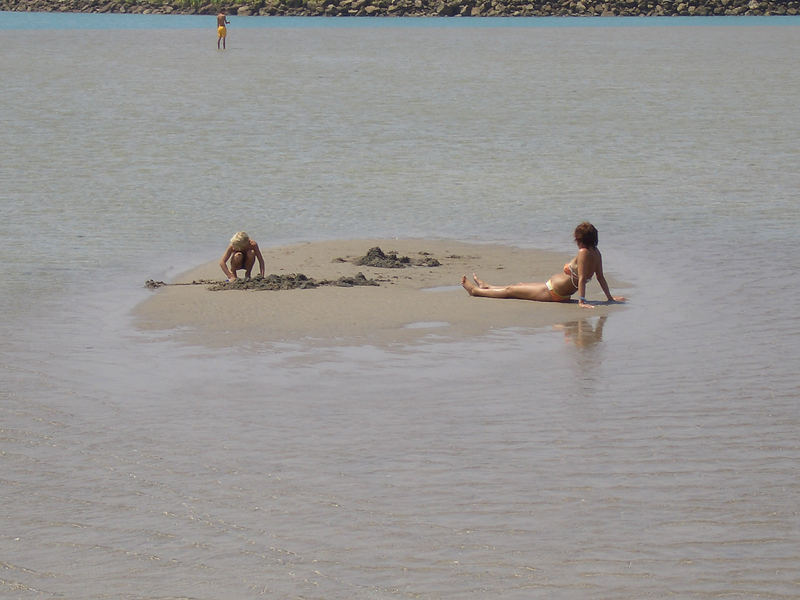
[409, 303]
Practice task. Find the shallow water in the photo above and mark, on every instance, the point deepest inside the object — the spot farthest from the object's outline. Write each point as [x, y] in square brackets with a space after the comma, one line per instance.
[650, 453]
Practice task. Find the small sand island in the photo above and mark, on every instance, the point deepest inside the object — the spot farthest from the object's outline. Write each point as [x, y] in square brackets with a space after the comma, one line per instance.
[379, 291]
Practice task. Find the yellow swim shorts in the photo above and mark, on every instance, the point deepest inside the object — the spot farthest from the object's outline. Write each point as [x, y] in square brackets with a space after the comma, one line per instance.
[221, 31]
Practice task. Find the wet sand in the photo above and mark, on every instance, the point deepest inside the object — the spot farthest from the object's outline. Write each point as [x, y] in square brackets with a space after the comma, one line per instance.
[407, 304]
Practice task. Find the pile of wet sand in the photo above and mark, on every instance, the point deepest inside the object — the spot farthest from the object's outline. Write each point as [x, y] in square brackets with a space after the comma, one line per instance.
[375, 257]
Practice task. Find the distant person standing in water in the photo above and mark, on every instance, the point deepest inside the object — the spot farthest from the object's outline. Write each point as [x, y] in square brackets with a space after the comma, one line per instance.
[242, 252]
[222, 31]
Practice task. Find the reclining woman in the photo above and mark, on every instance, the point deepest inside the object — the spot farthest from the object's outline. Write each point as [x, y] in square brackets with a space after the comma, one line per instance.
[560, 286]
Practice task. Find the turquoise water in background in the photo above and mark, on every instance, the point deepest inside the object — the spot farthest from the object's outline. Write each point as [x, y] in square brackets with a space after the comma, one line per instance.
[651, 453]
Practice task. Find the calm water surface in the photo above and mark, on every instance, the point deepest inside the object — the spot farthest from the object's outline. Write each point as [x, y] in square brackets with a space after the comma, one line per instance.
[652, 453]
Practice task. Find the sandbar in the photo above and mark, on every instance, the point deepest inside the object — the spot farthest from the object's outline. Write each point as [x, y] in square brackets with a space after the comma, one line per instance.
[407, 304]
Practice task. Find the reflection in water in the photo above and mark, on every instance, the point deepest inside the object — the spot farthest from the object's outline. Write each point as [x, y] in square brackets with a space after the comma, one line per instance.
[582, 333]
[588, 355]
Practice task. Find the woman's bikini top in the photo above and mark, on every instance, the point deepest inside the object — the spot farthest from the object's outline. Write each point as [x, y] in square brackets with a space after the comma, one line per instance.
[573, 273]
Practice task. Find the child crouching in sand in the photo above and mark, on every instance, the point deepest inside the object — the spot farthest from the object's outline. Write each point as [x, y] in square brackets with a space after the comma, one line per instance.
[242, 253]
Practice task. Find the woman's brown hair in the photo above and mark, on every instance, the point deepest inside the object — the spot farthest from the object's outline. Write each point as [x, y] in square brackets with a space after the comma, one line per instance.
[586, 235]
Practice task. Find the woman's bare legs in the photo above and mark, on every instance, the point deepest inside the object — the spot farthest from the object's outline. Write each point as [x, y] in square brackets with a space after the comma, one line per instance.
[482, 284]
[488, 286]
[519, 291]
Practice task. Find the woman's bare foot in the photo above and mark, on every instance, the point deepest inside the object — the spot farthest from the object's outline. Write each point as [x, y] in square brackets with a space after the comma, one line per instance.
[479, 282]
[467, 284]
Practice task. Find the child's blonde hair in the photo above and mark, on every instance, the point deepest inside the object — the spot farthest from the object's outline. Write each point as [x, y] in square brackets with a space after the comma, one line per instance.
[240, 240]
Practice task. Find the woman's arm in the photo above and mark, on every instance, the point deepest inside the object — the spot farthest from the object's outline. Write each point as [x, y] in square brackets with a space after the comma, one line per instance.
[583, 270]
[601, 279]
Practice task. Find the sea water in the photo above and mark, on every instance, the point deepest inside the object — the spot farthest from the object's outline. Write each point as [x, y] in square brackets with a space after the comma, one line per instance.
[649, 453]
